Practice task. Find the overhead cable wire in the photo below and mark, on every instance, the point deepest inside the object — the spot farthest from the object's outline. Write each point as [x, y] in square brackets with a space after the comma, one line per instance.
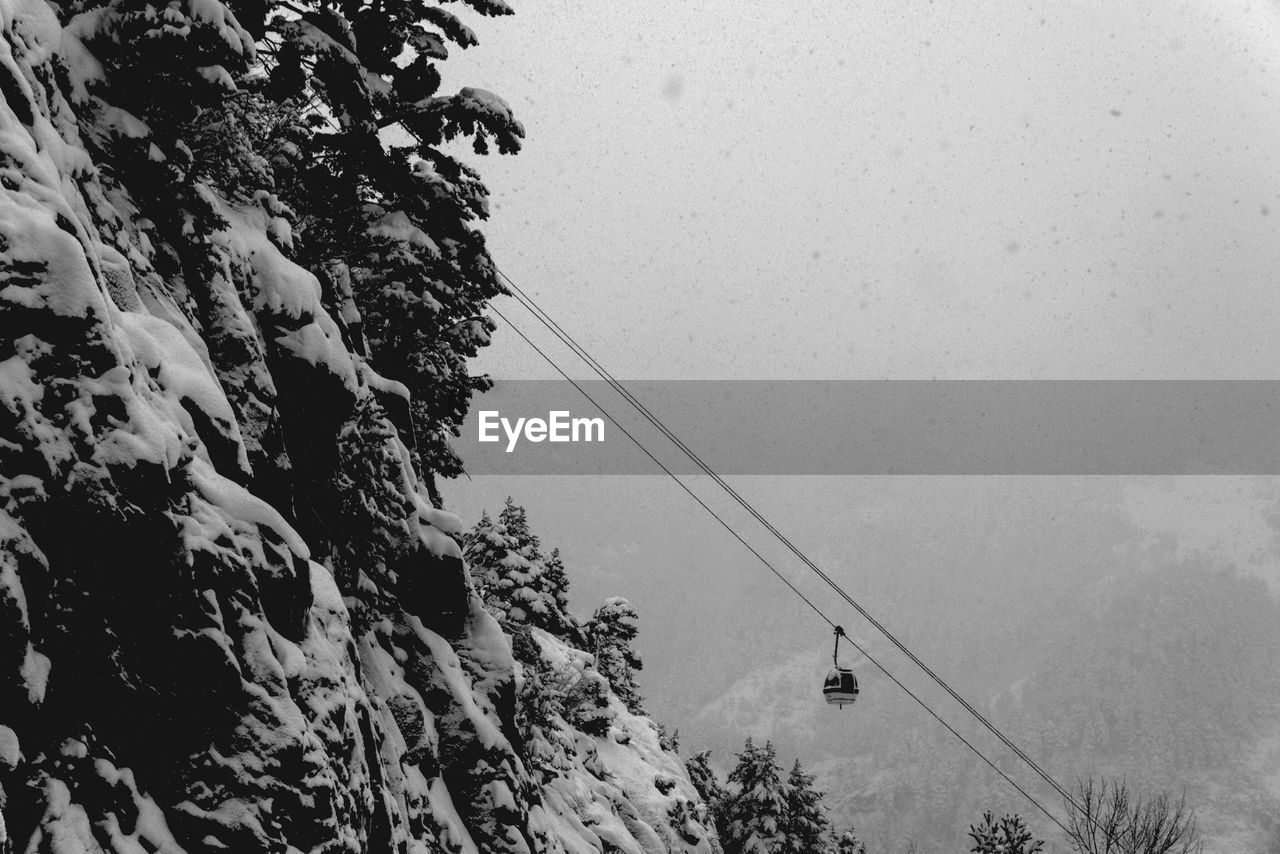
[818, 611]
[542, 316]
[666, 470]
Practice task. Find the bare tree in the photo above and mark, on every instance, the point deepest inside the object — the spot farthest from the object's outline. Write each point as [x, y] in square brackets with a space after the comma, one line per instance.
[1104, 817]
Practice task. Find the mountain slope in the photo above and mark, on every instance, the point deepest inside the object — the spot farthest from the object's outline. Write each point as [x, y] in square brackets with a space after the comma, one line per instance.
[1169, 681]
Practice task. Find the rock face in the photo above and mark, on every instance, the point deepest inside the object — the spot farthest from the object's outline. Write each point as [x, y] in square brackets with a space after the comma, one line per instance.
[230, 618]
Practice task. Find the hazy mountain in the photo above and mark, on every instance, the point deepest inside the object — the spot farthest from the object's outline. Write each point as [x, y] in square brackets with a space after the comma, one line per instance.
[1112, 655]
[1109, 625]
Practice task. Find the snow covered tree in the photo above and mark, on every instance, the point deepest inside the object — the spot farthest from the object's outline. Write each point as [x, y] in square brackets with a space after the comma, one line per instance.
[557, 587]
[754, 817]
[327, 117]
[540, 701]
[558, 619]
[609, 634]
[505, 579]
[847, 842]
[704, 779]
[531, 602]
[1009, 835]
[586, 704]
[517, 582]
[516, 521]
[390, 216]
[536, 598]
[806, 825]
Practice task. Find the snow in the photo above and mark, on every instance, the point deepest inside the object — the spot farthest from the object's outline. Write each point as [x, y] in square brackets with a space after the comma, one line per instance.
[10, 750]
[283, 287]
[446, 814]
[32, 22]
[12, 595]
[64, 828]
[151, 834]
[455, 679]
[439, 543]
[182, 376]
[562, 821]
[396, 225]
[217, 75]
[288, 291]
[215, 13]
[484, 101]
[623, 804]
[144, 437]
[292, 660]
[442, 519]
[239, 503]
[35, 674]
[66, 286]
[20, 394]
[325, 596]
[125, 123]
[380, 383]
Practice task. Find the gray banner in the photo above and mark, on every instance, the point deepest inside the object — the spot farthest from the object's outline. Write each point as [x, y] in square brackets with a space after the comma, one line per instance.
[871, 428]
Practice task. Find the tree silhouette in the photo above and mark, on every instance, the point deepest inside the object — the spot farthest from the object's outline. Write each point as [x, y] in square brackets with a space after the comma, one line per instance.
[1105, 817]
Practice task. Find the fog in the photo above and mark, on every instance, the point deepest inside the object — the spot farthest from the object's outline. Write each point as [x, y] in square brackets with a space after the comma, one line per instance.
[1002, 584]
[926, 555]
[1080, 190]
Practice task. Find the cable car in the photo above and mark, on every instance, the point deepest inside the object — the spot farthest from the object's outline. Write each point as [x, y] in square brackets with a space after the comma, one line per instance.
[840, 686]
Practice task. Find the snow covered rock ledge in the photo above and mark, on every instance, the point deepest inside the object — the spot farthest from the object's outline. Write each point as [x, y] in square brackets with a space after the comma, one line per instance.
[230, 617]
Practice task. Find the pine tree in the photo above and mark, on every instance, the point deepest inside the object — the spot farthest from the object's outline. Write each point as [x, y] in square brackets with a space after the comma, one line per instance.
[390, 215]
[806, 825]
[609, 634]
[755, 812]
[501, 574]
[711, 792]
[847, 842]
[586, 704]
[1009, 835]
[516, 521]
[533, 603]
[326, 116]
[557, 587]
[705, 781]
[519, 583]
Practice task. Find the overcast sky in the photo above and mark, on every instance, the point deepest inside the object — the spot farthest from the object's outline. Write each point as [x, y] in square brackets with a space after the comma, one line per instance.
[1084, 189]
[822, 188]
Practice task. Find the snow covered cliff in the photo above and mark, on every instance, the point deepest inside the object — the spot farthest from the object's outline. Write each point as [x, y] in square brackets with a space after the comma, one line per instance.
[231, 619]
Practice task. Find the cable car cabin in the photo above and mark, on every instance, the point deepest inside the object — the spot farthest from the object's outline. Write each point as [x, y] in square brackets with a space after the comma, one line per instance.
[840, 687]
